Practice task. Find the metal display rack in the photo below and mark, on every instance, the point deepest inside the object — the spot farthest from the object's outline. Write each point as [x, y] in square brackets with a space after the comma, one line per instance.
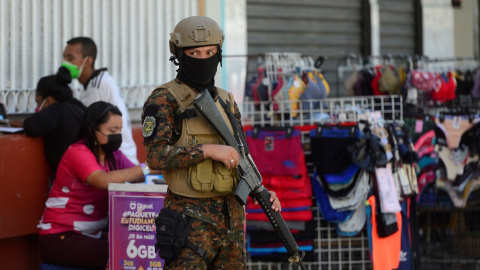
[331, 251]
[330, 110]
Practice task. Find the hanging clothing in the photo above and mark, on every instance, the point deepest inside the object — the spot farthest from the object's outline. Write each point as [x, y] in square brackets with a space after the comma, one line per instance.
[351, 81]
[389, 83]
[276, 152]
[326, 210]
[277, 93]
[385, 251]
[374, 83]
[424, 81]
[451, 127]
[260, 89]
[323, 85]
[329, 148]
[312, 92]
[363, 85]
[476, 86]
[446, 91]
[294, 93]
[465, 82]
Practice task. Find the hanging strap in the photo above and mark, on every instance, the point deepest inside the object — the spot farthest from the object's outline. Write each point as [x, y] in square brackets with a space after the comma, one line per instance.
[200, 251]
[188, 113]
[231, 117]
[236, 127]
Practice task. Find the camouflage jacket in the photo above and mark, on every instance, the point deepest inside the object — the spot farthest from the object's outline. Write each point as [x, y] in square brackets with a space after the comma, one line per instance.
[159, 141]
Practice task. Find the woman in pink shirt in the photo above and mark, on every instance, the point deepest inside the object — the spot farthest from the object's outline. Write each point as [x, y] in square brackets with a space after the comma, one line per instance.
[71, 232]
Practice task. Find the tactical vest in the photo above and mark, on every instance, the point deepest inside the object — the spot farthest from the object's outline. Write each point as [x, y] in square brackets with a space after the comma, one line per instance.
[208, 178]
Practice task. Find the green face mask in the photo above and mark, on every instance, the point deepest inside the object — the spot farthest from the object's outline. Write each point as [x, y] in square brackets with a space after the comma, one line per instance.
[75, 71]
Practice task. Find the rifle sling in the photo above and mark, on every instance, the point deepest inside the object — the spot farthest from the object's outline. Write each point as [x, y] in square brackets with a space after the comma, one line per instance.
[238, 136]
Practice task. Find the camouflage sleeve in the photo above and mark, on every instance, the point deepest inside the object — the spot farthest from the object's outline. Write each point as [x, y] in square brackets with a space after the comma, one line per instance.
[160, 133]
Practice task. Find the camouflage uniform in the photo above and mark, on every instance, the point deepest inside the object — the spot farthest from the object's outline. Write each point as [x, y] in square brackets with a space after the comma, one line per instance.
[219, 222]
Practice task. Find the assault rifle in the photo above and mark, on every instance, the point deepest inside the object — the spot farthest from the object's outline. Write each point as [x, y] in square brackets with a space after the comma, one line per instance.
[250, 180]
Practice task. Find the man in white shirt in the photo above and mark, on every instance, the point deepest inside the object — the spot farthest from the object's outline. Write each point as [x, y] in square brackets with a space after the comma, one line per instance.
[79, 57]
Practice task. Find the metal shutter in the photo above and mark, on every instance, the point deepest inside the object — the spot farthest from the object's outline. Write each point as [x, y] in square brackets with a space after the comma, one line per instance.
[131, 35]
[398, 27]
[310, 27]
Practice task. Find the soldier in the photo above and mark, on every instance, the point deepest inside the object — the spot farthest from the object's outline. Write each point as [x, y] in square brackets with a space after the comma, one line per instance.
[202, 224]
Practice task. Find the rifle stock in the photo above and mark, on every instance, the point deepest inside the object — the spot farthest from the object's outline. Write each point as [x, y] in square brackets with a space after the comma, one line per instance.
[250, 179]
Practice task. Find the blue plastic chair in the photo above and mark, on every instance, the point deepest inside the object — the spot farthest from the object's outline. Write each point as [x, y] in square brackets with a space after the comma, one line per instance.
[46, 266]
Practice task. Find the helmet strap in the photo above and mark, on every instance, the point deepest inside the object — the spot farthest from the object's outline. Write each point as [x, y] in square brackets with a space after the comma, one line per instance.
[174, 60]
[219, 55]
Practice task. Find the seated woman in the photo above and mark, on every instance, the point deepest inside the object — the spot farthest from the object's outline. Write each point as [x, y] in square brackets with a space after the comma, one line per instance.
[58, 119]
[77, 207]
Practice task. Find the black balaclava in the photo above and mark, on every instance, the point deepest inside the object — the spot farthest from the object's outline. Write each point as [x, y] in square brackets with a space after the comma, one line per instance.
[198, 73]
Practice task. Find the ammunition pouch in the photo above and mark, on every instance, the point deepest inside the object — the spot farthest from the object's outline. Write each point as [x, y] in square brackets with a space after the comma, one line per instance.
[210, 175]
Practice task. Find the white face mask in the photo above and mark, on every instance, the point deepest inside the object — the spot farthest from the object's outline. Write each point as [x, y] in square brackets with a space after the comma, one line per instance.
[41, 105]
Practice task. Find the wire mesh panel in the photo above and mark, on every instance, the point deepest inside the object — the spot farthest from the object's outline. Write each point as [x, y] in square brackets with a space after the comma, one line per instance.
[331, 251]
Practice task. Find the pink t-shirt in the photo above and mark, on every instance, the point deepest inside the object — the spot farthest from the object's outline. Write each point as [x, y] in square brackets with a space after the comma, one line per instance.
[74, 205]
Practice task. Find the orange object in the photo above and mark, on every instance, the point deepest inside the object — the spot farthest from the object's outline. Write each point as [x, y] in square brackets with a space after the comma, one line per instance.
[24, 180]
[138, 138]
[385, 251]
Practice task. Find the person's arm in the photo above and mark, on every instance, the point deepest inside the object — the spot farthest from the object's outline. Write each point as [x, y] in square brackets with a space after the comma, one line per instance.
[226, 154]
[161, 153]
[82, 164]
[44, 122]
[100, 179]
[126, 172]
[16, 123]
[161, 133]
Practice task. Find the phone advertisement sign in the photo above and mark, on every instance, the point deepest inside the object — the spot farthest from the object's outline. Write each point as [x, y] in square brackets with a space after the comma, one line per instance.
[132, 231]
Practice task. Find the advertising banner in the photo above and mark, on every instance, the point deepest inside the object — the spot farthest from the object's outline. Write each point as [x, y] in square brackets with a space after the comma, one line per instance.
[132, 231]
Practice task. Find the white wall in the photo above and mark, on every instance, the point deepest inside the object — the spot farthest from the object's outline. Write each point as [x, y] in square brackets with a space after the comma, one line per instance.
[438, 28]
[232, 18]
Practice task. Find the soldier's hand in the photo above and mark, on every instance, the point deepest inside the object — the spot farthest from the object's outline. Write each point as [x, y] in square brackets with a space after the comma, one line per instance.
[274, 200]
[223, 153]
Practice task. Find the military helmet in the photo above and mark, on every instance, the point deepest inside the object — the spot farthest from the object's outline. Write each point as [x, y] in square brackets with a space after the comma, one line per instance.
[196, 31]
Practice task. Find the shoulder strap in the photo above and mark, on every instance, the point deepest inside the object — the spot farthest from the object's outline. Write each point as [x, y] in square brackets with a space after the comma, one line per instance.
[237, 132]
[200, 251]
[188, 113]
[184, 97]
[184, 228]
[182, 93]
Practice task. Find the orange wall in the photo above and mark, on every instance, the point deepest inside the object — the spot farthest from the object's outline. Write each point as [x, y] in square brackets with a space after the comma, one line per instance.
[20, 253]
[24, 185]
[24, 190]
